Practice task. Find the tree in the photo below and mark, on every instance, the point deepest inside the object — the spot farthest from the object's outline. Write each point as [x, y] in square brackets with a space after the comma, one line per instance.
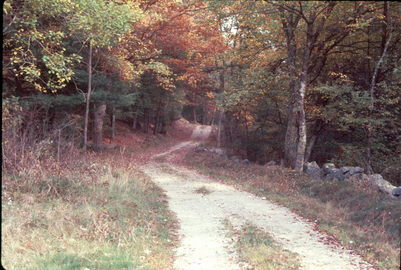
[174, 45]
[35, 57]
[343, 98]
[100, 24]
[387, 38]
[304, 45]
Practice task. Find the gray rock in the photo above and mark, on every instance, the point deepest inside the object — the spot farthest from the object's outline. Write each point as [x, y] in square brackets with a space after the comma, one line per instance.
[270, 163]
[396, 192]
[335, 174]
[218, 151]
[200, 149]
[360, 177]
[236, 159]
[350, 171]
[378, 181]
[328, 168]
[312, 169]
[245, 161]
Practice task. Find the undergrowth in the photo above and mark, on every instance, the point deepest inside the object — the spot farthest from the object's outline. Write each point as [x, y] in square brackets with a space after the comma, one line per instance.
[360, 218]
[89, 212]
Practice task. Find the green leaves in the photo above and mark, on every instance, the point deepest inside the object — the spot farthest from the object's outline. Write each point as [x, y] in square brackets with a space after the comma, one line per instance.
[38, 30]
[102, 22]
[35, 47]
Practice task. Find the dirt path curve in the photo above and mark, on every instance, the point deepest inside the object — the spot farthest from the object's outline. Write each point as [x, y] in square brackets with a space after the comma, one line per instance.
[203, 241]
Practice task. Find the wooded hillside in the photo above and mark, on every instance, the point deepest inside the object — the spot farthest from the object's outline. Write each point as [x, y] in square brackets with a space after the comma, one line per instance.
[291, 81]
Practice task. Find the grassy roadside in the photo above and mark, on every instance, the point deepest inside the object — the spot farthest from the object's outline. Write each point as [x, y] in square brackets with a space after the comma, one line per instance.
[361, 219]
[259, 250]
[93, 212]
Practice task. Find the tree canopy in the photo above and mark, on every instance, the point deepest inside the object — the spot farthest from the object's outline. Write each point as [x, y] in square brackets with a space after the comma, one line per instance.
[285, 80]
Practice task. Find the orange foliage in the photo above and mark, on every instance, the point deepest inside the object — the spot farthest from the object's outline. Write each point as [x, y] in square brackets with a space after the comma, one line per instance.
[175, 34]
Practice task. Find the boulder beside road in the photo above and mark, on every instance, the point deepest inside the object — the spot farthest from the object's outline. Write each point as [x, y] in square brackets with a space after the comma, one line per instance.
[313, 169]
[350, 171]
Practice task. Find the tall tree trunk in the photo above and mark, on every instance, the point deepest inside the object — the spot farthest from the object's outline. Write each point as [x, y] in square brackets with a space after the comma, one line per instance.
[290, 23]
[113, 123]
[135, 118]
[88, 95]
[213, 116]
[310, 146]
[162, 120]
[230, 132]
[221, 113]
[194, 114]
[246, 131]
[163, 126]
[157, 118]
[98, 127]
[291, 137]
[317, 129]
[300, 102]
[204, 115]
[147, 120]
[301, 146]
[296, 129]
[135, 121]
[145, 115]
[58, 145]
[371, 128]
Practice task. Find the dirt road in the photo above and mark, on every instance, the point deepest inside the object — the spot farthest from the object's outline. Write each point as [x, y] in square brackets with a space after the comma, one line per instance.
[203, 241]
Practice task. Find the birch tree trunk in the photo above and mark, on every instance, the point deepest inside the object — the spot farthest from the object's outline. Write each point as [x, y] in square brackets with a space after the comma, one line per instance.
[300, 102]
[301, 147]
[370, 128]
[295, 138]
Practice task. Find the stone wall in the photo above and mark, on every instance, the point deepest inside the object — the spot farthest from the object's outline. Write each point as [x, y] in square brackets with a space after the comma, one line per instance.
[329, 172]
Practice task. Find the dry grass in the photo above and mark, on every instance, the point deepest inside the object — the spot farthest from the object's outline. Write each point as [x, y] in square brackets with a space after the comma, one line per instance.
[259, 250]
[203, 191]
[93, 211]
[360, 218]
[67, 209]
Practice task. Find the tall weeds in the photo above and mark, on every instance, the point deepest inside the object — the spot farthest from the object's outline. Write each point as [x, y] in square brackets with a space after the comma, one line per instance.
[66, 209]
[33, 136]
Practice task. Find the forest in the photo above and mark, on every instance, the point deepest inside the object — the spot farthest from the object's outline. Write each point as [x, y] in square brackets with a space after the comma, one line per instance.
[288, 82]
